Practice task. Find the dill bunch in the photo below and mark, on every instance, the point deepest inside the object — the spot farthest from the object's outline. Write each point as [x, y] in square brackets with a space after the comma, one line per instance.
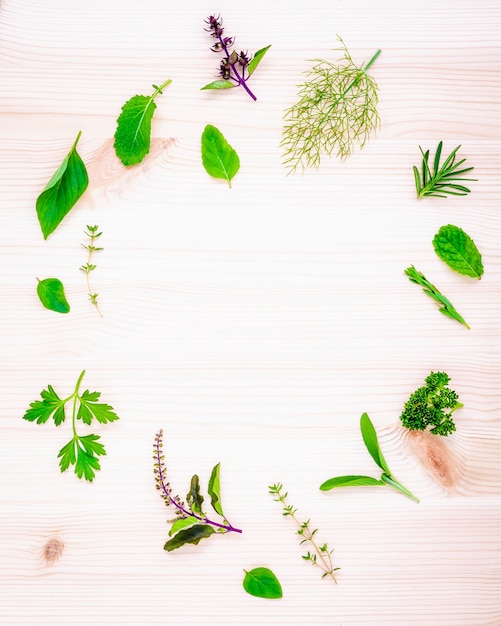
[336, 110]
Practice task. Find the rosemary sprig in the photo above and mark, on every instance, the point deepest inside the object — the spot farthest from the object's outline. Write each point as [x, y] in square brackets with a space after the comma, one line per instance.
[89, 267]
[337, 109]
[321, 556]
[447, 308]
[442, 180]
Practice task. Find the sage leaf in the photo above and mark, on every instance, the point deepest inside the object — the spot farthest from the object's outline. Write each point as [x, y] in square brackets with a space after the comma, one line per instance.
[257, 58]
[132, 137]
[349, 481]
[51, 294]
[62, 191]
[371, 442]
[218, 157]
[193, 534]
[214, 490]
[263, 583]
[194, 497]
[182, 523]
[458, 250]
[219, 84]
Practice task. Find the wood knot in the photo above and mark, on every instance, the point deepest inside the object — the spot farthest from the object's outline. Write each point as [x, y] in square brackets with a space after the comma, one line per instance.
[436, 456]
[53, 550]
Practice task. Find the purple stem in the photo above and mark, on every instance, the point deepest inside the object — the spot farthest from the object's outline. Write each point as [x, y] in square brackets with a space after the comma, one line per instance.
[240, 79]
[228, 527]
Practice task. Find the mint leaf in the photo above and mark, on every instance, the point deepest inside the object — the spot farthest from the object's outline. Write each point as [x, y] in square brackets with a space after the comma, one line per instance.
[218, 157]
[132, 137]
[257, 58]
[52, 296]
[349, 481]
[193, 534]
[214, 489]
[62, 191]
[458, 250]
[263, 583]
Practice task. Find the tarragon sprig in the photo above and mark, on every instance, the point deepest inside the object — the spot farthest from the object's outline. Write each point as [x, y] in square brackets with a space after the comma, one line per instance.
[89, 267]
[321, 556]
[442, 180]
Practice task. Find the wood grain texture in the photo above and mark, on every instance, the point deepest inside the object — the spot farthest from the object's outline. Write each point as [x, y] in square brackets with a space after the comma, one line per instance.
[254, 325]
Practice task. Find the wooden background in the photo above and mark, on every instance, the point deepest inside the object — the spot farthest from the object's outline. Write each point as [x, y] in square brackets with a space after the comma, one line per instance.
[253, 324]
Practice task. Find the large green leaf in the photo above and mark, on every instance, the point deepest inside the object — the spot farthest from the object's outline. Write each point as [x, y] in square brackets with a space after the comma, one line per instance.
[257, 58]
[372, 444]
[214, 490]
[349, 481]
[218, 157]
[183, 523]
[52, 296]
[193, 534]
[458, 250]
[263, 583]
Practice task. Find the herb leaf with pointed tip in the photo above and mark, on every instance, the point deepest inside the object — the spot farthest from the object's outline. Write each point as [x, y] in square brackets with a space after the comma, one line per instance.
[262, 583]
[132, 137]
[62, 191]
[52, 296]
[218, 157]
[214, 490]
[458, 250]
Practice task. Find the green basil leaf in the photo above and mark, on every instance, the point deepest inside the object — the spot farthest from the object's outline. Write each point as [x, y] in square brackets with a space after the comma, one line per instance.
[372, 444]
[257, 58]
[349, 481]
[218, 157]
[193, 534]
[263, 583]
[51, 294]
[219, 84]
[132, 137]
[214, 490]
[62, 191]
[182, 523]
[194, 497]
[458, 250]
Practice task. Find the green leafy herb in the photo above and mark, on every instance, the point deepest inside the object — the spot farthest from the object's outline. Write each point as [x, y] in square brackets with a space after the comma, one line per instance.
[458, 250]
[371, 442]
[442, 181]
[89, 267]
[82, 451]
[336, 110]
[432, 406]
[218, 157]
[263, 583]
[191, 524]
[62, 191]
[447, 308]
[132, 137]
[51, 294]
[321, 556]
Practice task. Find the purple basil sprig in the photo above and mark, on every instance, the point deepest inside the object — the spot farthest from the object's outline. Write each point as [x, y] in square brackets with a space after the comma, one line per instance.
[235, 68]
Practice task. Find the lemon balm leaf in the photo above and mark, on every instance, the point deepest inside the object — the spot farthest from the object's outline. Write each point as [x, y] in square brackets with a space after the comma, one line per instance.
[458, 250]
[52, 296]
[218, 157]
[263, 583]
[133, 133]
[62, 191]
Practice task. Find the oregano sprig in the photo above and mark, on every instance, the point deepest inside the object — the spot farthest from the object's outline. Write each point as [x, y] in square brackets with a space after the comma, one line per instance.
[82, 451]
[443, 179]
[89, 267]
[320, 556]
[191, 524]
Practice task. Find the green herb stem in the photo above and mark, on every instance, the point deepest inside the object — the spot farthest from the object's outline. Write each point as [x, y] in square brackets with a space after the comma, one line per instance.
[75, 401]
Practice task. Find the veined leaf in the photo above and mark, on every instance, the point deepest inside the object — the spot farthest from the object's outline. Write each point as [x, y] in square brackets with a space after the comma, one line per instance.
[263, 583]
[458, 250]
[51, 294]
[41, 410]
[194, 497]
[193, 534]
[256, 59]
[218, 157]
[349, 481]
[62, 191]
[219, 84]
[214, 490]
[90, 407]
[371, 442]
[132, 137]
[182, 523]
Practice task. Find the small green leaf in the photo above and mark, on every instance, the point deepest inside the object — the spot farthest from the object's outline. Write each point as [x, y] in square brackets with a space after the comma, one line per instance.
[51, 294]
[218, 157]
[263, 583]
[371, 442]
[62, 191]
[193, 534]
[256, 59]
[90, 407]
[219, 84]
[349, 481]
[132, 137]
[458, 250]
[182, 523]
[194, 497]
[214, 490]
[41, 410]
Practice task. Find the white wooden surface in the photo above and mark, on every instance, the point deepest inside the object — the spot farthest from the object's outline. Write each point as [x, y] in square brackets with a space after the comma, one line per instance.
[254, 325]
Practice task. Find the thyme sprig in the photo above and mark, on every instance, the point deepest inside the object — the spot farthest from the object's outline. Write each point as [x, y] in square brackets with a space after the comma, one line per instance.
[321, 556]
[442, 181]
[337, 109]
[89, 267]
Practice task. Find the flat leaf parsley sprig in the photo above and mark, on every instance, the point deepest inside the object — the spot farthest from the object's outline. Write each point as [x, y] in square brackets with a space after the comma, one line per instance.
[191, 524]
